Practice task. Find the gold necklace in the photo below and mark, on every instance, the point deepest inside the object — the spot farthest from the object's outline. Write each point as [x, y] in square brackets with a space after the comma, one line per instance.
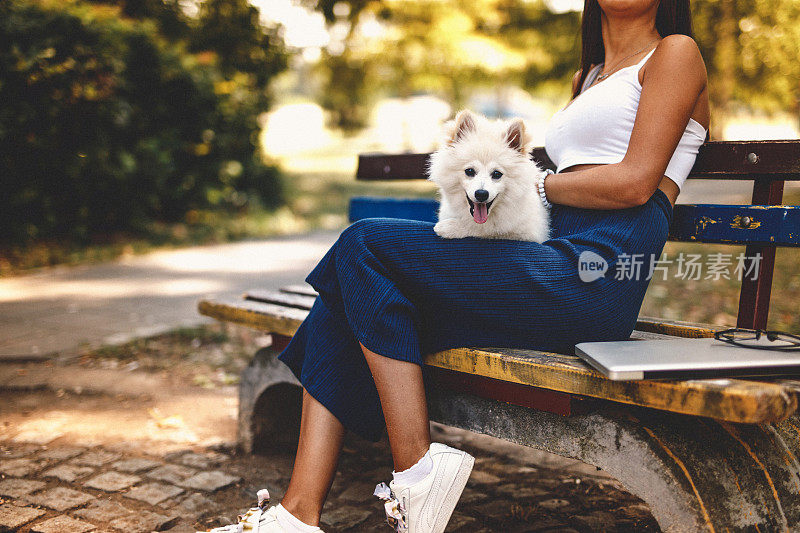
[604, 76]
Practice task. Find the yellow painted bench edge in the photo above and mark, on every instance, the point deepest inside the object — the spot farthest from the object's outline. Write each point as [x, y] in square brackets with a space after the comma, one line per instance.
[735, 400]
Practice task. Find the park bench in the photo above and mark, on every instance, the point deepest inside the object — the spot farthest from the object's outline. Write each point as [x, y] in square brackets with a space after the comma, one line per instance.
[705, 454]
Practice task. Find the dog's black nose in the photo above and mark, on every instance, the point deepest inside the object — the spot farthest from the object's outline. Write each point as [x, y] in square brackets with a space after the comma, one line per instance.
[481, 195]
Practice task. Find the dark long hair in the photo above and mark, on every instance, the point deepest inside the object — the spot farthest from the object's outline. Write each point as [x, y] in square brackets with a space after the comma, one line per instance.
[672, 17]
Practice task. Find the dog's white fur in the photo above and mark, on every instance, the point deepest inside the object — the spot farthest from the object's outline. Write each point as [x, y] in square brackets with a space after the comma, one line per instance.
[473, 141]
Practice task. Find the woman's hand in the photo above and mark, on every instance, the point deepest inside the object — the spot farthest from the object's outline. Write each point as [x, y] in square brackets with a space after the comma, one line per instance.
[673, 80]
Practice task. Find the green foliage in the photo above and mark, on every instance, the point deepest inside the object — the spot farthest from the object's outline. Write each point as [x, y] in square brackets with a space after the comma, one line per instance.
[451, 48]
[167, 14]
[445, 47]
[231, 28]
[105, 124]
[751, 49]
[348, 90]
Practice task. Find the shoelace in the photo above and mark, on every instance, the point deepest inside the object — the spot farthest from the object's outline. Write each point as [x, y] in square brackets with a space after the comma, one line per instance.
[395, 514]
[250, 518]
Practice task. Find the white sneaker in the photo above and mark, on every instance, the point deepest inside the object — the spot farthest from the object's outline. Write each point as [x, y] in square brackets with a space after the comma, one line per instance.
[256, 519]
[426, 506]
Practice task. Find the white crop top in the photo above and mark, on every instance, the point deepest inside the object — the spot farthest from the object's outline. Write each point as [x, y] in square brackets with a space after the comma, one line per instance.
[595, 127]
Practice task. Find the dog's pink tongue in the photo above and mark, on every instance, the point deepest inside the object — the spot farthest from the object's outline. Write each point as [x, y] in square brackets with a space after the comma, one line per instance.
[480, 213]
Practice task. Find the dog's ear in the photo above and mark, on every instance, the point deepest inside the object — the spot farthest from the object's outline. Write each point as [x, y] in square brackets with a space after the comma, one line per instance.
[516, 137]
[463, 123]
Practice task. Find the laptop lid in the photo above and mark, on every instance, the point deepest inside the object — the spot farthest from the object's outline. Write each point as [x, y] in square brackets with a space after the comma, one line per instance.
[684, 359]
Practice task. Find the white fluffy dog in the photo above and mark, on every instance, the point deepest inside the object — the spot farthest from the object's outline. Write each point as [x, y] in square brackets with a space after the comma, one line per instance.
[488, 182]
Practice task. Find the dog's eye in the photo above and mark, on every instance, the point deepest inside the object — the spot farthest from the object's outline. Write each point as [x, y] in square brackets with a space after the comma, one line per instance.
[470, 172]
[496, 174]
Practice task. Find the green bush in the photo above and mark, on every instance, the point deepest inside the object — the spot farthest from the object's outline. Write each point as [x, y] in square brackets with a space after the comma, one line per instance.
[106, 125]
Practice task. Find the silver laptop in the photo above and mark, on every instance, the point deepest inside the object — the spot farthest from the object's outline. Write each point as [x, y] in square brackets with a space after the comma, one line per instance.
[684, 359]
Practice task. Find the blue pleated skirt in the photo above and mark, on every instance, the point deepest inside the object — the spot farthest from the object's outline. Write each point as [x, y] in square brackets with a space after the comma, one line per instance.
[403, 291]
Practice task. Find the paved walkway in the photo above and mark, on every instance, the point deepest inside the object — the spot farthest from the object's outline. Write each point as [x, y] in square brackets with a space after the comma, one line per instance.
[58, 309]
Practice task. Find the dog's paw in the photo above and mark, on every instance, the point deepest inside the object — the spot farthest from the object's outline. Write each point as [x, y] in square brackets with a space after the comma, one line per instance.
[448, 229]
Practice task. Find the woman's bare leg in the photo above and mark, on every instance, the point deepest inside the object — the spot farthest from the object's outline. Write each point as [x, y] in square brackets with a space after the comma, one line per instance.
[402, 395]
[405, 409]
[318, 451]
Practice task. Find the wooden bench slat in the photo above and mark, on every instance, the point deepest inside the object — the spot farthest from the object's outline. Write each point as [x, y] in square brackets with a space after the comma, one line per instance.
[735, 400]
[637, 335]
[297, 301]
[659, 326]
[269, 318]
[302, 297]
[299, 289]
[715, 160]
[743, 159]
[677, 328]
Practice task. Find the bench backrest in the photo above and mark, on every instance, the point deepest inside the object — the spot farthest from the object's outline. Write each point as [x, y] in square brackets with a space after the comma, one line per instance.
[768, 164]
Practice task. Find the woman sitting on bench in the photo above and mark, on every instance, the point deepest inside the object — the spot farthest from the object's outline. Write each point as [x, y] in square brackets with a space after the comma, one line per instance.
[391, 290]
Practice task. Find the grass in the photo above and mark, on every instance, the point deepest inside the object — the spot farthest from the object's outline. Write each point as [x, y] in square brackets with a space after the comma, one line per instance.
[717, 301]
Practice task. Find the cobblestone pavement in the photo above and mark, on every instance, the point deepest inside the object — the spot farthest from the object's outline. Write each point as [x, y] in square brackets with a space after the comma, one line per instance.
[140, 438]
[61, 488]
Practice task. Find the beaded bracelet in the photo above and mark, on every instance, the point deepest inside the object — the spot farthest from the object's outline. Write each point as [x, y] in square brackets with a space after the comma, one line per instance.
[540, 186]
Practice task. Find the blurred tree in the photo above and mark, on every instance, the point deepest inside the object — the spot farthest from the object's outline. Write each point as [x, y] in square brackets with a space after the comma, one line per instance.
[232, 30]
[751, 49]
[450, 48]
[392, 47]
[348, 91]
[169, 16]
[106, 125]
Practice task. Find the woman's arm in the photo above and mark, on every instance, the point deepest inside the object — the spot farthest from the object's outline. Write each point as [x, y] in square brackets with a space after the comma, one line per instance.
[674, 78]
